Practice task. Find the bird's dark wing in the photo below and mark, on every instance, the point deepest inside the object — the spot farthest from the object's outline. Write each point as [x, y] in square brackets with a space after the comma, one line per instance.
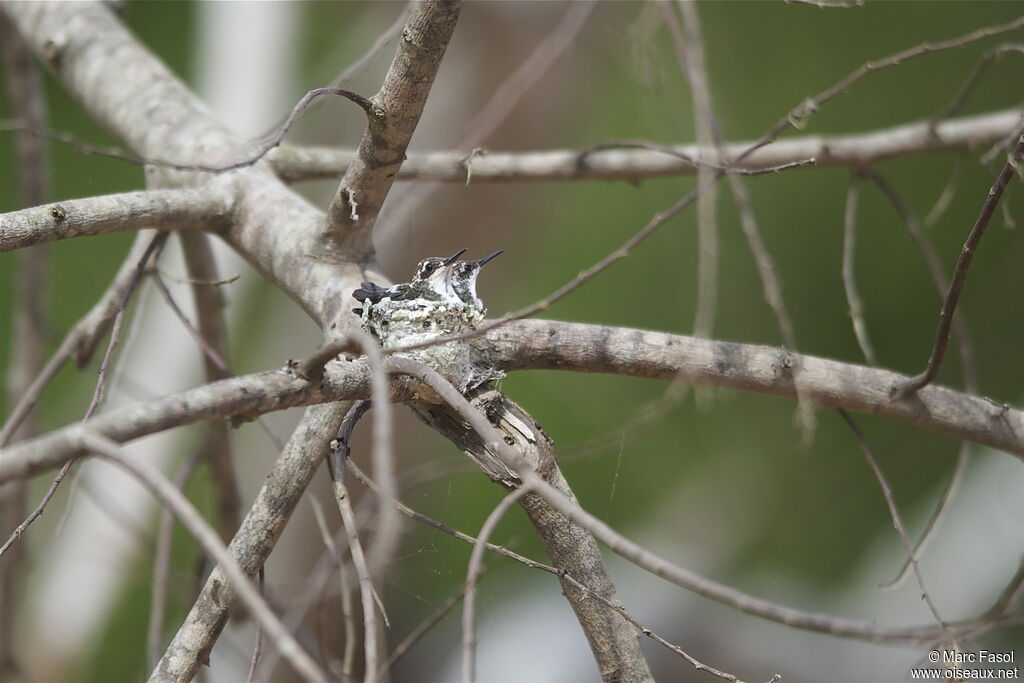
[371, 291]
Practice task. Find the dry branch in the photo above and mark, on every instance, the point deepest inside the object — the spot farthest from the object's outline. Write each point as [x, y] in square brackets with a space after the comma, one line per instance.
[578, 347]
[206, 209]
[396, 110]
[854, 150]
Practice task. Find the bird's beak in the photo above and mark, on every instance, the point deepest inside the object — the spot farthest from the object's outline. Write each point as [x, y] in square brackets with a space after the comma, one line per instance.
[483, 262]
[454, 256]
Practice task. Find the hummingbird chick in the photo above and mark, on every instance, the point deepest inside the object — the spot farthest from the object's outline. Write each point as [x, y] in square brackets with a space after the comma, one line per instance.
[462, 277]
[429, 283]
[439, 301]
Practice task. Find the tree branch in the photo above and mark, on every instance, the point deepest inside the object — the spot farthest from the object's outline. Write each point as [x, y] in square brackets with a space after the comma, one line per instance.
[553, 345]
[578, 347]
[396, 111]
[295, 164]
[205, 209]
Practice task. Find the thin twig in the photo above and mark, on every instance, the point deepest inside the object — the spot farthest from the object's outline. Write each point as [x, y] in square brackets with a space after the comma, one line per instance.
[162, 564]
[258, 647]
[264, 145]
[388, 529]
[382, 40]
[948, 192]
[690, 55]
[366, 589]
[339, 456]
[948, 493]
[215, 357]
[860, 328]
[473, 574]
[422, 629]
[347, 613]
[972, 81]
[905, 388]
[894, 514]
[824, 4]
[798, 116]
[698, 161]
[190, 518]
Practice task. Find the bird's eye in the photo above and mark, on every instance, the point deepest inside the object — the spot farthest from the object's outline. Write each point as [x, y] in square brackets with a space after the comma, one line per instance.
[428, 267]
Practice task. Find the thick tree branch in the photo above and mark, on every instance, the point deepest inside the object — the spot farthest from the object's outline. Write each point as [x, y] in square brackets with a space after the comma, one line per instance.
[853, 150]
[543, 344]
[206, 209]
[578, 347]
[240, 398]
[396, 110]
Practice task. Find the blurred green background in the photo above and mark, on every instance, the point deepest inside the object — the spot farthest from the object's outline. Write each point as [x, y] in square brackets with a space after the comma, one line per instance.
[724, 475]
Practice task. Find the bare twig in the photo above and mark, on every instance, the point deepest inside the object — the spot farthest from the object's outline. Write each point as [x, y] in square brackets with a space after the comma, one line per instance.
[860, 329]
[824, 4]
[386, 538]
[224, 476]
[366, 590]
[1008, 595]
[635, 160]
[690, 55]
[948, 493]
[972, 81]
[205, 209]
[80, 342]
[263, 145]
[258, 647]
[382, 40]
[798, 116]
[946, 197]
[399, 650]
[162, 564]
[190, 518]
[894, 514]
[473, 574]
[956, 284]
[347, 614]
[705, 161]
